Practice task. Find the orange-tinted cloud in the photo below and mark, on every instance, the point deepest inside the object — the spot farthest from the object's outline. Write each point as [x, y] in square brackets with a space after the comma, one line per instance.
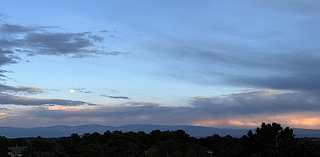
[298, 119]
[67, 108]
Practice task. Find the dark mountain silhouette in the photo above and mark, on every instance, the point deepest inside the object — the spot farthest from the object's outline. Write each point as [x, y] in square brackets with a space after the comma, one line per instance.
[195, 131]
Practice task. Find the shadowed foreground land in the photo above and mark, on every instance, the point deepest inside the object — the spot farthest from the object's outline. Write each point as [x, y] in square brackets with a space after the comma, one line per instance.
[269, 140]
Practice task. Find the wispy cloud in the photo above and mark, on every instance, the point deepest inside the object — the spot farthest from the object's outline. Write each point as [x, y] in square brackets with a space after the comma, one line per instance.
[86, 92]
[22, 90]
[36, 40]
[8, 99]
[79, 89]
[115, 97]
[55, 90]
[114, 91]
[2, 75]
[135, 103]
[104, 31]
[7, 57]
[255, 102]
[200, 97]
[8, 28]
[254, 54]
[3, 109]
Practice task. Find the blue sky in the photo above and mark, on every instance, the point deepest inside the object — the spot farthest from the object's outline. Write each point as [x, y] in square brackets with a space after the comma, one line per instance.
[210, 63]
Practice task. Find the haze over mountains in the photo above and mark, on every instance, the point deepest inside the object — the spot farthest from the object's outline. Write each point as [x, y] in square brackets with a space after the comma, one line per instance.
[195, 131]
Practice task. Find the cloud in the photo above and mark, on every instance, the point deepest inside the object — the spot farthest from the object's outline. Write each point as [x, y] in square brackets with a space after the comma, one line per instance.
[2, 75]
[55, 90]
[7, 57]
[8, 28]
[114, 53]
[57, 43]
[255, 102]
[83, 53]
[4, 71]
[295, 71]
[230, 110]
[104, 31]
[246, 109]
[111, 36]
[79, 89]
[67, 108]
[114, 91]
[199, 97]
[115, 97]
[121, 112]
[45, 43]
[20, 90]
[284, 67]
[251, 49]
[15, 28]
[8, 99]
[135, 103]
[295, 82]
[85, 91]
[36, 40]
[3, 16]
[96, 38]
[3, 109]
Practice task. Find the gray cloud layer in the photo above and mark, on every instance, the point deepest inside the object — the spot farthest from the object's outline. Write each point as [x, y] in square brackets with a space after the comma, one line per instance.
[247, 103]
[257, 102]
[8, 99]
[269, 44]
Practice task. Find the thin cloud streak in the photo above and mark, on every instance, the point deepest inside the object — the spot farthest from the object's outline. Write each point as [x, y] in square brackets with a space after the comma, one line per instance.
[8, 99]
[20, 90]
[115, 97]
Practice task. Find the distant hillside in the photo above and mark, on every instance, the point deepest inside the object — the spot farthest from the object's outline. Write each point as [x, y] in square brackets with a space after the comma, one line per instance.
[195, 131]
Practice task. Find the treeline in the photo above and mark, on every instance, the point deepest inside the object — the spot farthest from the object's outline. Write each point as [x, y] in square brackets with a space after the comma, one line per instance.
[268, 141]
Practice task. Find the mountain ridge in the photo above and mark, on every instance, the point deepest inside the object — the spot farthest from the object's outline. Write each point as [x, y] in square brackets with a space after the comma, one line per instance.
[195, 131]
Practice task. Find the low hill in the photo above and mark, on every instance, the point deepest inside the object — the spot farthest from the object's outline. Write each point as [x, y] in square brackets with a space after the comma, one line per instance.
[195, 131]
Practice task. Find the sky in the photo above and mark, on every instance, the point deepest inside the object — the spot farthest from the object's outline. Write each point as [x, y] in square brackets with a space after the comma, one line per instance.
[214, 63]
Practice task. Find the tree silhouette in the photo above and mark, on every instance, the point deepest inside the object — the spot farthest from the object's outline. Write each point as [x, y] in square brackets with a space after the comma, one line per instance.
[4, 147]
[272, 140]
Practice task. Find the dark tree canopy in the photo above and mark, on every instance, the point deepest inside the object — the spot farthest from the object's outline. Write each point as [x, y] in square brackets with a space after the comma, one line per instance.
[269, 140]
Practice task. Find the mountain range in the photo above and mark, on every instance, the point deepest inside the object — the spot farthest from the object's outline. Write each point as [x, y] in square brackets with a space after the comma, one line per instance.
[195, 131]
